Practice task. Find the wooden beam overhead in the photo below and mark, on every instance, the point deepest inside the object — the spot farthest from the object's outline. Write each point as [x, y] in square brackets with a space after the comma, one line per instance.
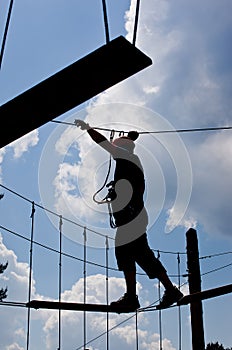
[73, 85]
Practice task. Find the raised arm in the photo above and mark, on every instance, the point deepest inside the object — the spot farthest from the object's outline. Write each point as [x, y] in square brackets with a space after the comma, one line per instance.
[97, 137]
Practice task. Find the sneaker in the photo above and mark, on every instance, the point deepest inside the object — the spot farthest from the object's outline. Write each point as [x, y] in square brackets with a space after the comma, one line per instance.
[127, 303]
[170, 296]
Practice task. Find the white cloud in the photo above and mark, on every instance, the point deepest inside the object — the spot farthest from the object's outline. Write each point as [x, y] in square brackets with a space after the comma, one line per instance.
[190, 63]
[173, 220]
[121, 336]
[147, 340]
[44, 323]
[127, 333]
[68, 137]
[152, 343]
[188, 84]
[72, 322]
[2, 154]
[15, 274]
[22, 145]
[149, 17]
[74, 190]
[151, 89]
[13, 319]
[211, 200]
[80, 171]
[15, 278]
[19, 147]
[14, 346]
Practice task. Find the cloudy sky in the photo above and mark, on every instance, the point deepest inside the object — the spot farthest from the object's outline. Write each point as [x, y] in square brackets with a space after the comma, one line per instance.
[188, 175]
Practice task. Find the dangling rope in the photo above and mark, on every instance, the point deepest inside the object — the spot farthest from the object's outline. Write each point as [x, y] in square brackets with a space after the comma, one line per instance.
[104, 184]
[84, 273]
[105, 21]
[160, 311]
[179, 310]
[136, 21]
[107, 199]
[5, 32]
[30, 272]
[60, 276]
[136, 330]
[112, 132]
[107, 292]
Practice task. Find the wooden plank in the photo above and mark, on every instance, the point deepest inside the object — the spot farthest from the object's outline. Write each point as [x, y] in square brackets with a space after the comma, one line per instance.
[205, 294]
[73, 85]
[55, 305]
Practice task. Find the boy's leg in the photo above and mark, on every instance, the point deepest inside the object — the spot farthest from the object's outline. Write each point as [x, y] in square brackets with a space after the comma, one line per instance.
[130, 278]
[155, 269]
[171, 294]
[126, 263]
[129, 300]
[165, 280]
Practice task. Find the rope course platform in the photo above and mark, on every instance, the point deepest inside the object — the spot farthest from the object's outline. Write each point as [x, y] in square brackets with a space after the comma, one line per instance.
[55, 305]
[106, 66]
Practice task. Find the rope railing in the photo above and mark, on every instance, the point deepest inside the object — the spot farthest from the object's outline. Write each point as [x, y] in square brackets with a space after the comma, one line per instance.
[53, 213]
[60, 253]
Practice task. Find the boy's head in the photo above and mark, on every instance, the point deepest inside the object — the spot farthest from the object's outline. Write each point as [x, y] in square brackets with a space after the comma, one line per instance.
[127, 142]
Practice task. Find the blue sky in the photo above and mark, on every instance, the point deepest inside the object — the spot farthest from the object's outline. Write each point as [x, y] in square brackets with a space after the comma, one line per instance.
[59, 168]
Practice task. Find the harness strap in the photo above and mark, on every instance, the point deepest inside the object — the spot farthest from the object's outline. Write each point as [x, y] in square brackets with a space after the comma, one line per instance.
[112, 223]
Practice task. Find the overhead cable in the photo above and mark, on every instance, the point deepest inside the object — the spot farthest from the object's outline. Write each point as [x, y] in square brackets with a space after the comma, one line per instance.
[216, 128]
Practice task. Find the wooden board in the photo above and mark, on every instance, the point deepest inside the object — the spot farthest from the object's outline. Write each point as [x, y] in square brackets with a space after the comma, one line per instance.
[73, 85]
[205, 294]
[55, 305]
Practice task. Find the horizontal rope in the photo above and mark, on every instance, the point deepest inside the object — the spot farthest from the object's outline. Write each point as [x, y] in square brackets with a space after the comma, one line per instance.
[54, 213]
[12, 303]
[154, 132]
[69, 255]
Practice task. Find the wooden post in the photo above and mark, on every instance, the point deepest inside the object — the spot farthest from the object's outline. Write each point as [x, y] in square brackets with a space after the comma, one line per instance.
[196, 310]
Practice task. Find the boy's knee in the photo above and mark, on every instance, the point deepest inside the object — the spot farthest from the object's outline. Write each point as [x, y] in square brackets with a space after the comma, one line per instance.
[157, 269]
